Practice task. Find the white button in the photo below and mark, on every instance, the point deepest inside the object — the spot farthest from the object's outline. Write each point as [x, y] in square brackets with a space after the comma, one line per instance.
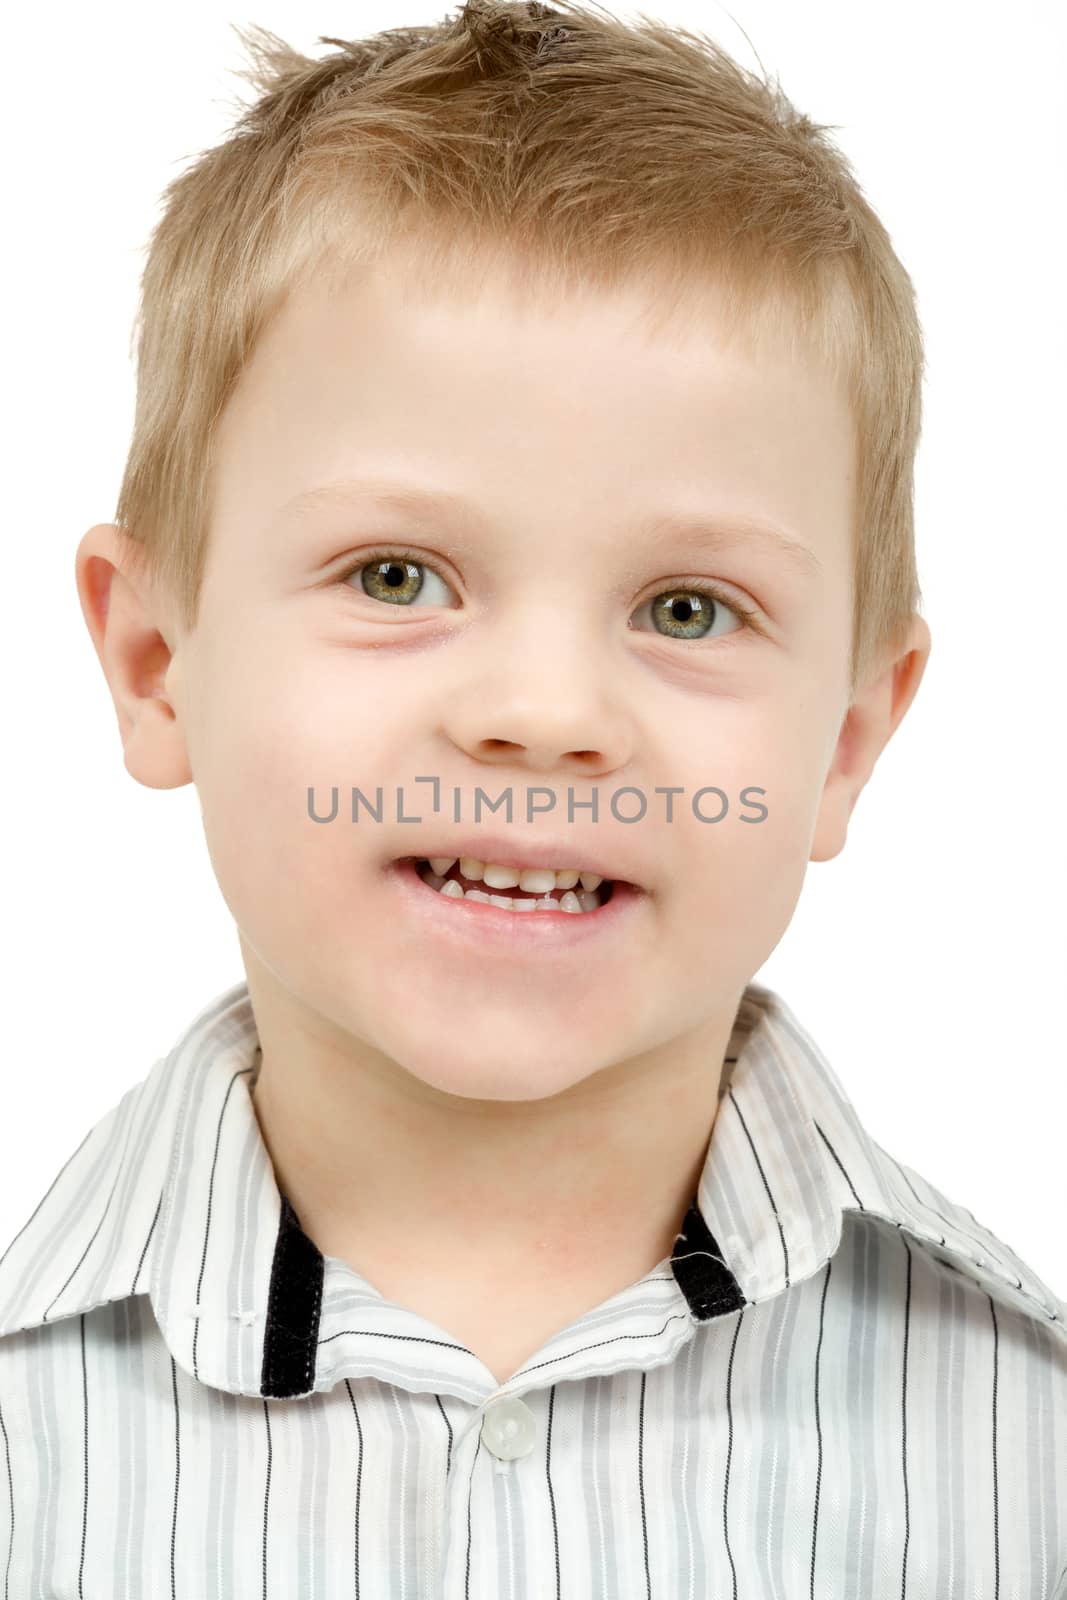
[508, 1428]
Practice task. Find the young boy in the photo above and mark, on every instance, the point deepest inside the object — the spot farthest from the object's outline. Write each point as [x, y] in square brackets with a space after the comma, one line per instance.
[516, 551]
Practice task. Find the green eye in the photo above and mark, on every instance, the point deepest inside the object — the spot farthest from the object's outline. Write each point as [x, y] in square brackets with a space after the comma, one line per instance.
[394, 577]
[396, 581]
[692, 613]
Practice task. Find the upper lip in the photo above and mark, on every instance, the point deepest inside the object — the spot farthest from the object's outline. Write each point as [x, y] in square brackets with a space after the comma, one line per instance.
[506, 851]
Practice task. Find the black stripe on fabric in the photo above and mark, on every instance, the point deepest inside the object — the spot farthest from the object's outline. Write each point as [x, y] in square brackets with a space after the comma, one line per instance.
[85, 1457]
[294, 1305]
[996, 1478]
[11, 1499]
[177, 1469]
[709, 1286]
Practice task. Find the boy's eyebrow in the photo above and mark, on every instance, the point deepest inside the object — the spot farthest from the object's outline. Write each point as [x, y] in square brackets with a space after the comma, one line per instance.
[692, 529]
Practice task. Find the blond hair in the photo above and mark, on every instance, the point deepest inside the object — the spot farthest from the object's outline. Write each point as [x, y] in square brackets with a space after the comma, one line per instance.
[571, 149]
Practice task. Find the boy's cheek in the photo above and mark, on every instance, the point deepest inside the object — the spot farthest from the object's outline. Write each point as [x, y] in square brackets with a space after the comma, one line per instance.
[285, 880]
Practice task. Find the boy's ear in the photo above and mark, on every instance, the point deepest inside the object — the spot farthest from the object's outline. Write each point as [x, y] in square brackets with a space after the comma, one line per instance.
[134, 639]
[869, 724]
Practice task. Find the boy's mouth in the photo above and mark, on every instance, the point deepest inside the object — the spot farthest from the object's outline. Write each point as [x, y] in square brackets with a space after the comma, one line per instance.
[472, 919]
[545, 891]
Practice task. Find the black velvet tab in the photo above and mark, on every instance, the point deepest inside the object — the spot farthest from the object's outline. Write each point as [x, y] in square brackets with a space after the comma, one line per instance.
[703, 1277]
[290, 1342]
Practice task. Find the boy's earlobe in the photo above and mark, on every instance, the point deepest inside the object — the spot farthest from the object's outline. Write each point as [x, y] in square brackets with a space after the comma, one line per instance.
[871, 720]
[129, 634]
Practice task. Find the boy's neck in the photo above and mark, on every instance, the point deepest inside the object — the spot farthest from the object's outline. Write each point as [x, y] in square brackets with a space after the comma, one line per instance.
[558, 1196]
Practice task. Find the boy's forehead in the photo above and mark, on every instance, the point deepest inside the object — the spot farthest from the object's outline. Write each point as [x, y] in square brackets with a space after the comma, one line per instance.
[647, 319]
[376, 373]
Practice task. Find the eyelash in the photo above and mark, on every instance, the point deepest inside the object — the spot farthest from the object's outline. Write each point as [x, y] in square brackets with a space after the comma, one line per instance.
[748, 616]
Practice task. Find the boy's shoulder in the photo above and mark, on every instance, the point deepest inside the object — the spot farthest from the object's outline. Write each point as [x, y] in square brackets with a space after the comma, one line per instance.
[178, 1157]
[101, 1231]
[795, 1136]
[951, 1237]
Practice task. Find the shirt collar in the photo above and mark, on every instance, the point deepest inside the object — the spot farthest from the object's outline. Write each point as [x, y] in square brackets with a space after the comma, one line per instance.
[173, 1194]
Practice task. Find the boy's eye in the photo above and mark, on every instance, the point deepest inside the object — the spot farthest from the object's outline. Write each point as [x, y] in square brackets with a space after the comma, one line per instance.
[694, 611]
[683, 611]
[394, 576]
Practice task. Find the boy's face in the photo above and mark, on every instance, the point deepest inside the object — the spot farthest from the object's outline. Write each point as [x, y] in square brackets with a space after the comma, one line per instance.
[533, 656]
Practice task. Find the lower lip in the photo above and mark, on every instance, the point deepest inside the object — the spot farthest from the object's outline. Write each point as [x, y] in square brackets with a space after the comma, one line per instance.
[472, 924]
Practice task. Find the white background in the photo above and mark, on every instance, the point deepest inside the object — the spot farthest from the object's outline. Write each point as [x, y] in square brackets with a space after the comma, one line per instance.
[928, 959]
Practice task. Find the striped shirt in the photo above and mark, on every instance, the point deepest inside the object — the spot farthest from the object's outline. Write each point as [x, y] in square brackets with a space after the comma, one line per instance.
[839, 1385]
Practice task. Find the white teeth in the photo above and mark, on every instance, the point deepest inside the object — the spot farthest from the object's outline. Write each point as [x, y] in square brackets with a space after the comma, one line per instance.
[535, 880]
[567, 879]
[569, 901]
